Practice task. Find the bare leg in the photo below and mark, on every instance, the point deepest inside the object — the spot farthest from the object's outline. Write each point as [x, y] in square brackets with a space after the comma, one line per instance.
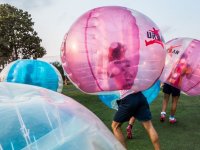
[174, 104]
[152, 134]
[131, 121]
[116, 127]
[165, 102]
[129, 128]
[164, 107]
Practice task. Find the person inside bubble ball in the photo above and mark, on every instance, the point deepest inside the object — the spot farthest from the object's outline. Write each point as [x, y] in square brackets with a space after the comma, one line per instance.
[134, 105]
[181, 69]
[175, 94]
[119, 68]
[175, 79]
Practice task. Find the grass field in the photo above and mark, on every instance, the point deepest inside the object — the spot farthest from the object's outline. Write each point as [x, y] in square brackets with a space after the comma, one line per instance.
[184, 135]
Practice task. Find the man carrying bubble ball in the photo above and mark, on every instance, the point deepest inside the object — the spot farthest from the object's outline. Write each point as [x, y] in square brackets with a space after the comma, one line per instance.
[134, 104]
[169, 90]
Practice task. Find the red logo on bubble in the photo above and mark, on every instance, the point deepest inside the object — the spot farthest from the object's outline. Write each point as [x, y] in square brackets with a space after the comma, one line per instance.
[171, 50]
[154, 35]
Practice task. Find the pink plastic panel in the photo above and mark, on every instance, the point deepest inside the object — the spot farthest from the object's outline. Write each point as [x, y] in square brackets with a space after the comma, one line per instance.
[113, 48]
[182, 66]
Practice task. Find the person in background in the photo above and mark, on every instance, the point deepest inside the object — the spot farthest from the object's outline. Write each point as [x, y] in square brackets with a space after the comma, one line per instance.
[175, 93]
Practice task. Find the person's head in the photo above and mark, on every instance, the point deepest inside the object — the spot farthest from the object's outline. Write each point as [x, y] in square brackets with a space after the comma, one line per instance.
[116, 51]
[183, 60]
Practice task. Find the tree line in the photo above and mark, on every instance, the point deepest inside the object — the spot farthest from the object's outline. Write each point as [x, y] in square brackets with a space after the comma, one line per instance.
[18, 39]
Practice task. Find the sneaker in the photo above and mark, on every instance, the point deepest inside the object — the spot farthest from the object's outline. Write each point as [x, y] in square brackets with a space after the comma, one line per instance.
[162, 117]
[172, 120]
[129, 132]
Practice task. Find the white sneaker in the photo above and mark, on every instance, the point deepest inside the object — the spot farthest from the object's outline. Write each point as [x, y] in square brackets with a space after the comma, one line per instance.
[172, 120]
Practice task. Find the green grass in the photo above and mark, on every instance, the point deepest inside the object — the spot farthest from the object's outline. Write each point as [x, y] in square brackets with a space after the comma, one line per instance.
[184, 135]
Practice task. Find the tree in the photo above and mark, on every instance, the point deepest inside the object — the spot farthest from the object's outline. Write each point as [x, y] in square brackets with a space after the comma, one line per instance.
[17, 36]
[59, 67]
[5, 52]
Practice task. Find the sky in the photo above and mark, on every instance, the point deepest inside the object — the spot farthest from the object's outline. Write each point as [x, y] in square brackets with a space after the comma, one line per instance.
[53, 18]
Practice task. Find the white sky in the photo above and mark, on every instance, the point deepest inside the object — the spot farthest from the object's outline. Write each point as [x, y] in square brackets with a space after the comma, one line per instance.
[53, 18]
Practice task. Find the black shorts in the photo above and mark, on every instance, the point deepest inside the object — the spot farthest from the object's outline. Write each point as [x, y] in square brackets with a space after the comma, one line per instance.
[168, 89]
[133, 105]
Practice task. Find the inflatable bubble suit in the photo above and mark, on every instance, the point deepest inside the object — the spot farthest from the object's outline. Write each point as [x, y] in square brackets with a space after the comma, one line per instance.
[35, 118]
[34, 72]
[110, 98]
[113, 48]
[182, 66]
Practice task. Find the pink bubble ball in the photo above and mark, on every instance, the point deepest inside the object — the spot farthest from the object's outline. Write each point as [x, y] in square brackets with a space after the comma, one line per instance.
[113, 48]
[182, 66]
